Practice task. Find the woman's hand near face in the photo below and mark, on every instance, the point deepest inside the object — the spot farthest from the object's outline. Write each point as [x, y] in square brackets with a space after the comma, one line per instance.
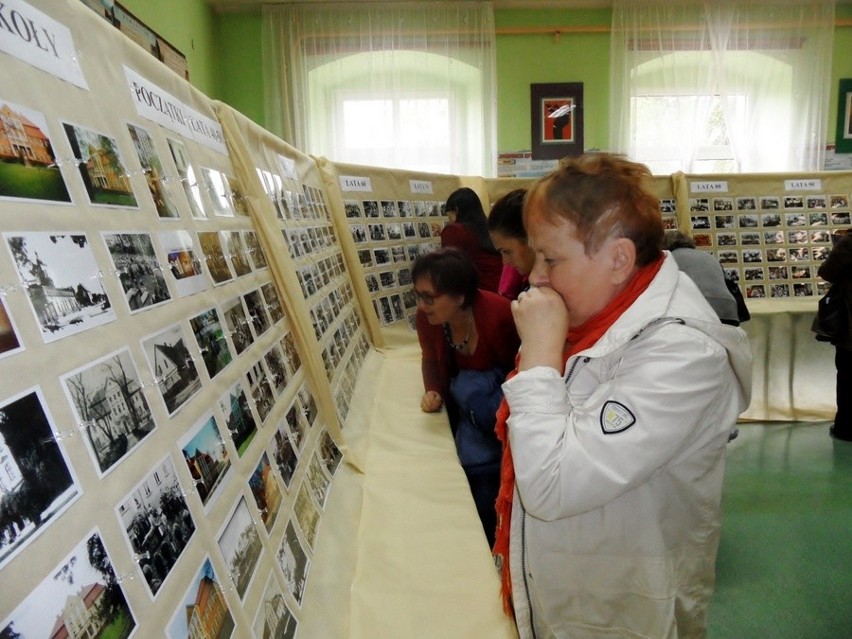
[431, 402]
[542, 322]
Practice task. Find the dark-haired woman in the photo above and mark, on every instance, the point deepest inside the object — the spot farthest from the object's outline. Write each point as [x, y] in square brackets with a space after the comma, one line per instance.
[468, 343]
[467, 231]
[506, 228]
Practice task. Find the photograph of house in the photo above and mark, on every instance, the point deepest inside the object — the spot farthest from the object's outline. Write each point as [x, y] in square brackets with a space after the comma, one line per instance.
[266, 492]
[188, 178]
[172, 367]
[206, 457]
[81, 597]
[241, 546]
[203, 613]
[184, 264]
[294, 563]
[138, 269]
[28, 166]
[101, 167]
[155, 175]
[239, 419]
[274, 620]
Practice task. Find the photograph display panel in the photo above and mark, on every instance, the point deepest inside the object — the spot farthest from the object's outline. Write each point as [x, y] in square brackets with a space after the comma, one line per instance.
[770, 242]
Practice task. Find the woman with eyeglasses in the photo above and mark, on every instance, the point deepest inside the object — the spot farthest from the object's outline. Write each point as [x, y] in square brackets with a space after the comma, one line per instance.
[468, 343]
[467, 231]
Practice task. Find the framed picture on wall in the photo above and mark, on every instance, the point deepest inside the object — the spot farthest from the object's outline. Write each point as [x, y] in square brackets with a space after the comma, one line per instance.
[557, 120]
[843, 141]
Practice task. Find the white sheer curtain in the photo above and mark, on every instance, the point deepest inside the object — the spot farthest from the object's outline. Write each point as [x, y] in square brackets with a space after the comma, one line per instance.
[721, 85]
[398, 84]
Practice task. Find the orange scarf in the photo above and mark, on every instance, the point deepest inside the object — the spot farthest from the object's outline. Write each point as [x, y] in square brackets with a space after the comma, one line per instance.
[579, 338]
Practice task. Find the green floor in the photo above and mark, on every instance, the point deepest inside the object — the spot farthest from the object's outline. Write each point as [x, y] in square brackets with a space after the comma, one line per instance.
[785, 561]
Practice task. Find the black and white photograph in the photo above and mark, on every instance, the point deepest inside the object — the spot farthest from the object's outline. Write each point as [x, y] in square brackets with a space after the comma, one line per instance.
[770, 202]
[371, 208]
[307, 514]
[101, 167]
[723, 204]
[816, 202]
[770, 219]
[274, 619]
[172, 367]
[756, 291]
[266, 492]
[206, 458]
[63, 282]
[795, 219]
[749, 238]
[284, 453]
[261, 389]
[210, 338]
[155, 175]
[818, 218]
[137, 269]
[779, 290]
[10, 342]
[352, 208]
[237, 324]
[80, 597]
[184, 262]
[203, 612]
[28, 166]
[239, 419]
[254, 250]
[37, 483]
[775, 255]
[188, 179]
[277, 369]
[214, 256]
[840, 219]
[235, 251]
[747, 220]
[746, 204]
[700, 222]
[256, 309]
[218, 191]
[329, 453]
[108, 400]
[294, 563]
[753, 273]
[273, 302]
[157, 523]
[794, 202]
[241, 546]
[803, 289]
[318, 480]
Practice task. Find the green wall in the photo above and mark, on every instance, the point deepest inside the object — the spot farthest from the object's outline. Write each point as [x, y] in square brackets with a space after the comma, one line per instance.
[224, 56]
[190, 27]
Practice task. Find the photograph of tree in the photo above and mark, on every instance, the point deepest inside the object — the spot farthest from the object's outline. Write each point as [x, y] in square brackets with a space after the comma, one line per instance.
[184, 264]
[210, 338]
[236, 252]
[172, 367]
[241, 546]
[81, 597]
[294, 563]
[138, 270]
[188, 179]
[203, 611]
[237, 323]
[254, 250]
[36, 481]
[239, 419]
[154, 173]
[157, 522]
[28, 166]
[111, 408]
[274, 620]
[266, 492]
[9, 341]
[62, 280]
[206, 457]
[284, 454]
[214, 256]
[99, 161]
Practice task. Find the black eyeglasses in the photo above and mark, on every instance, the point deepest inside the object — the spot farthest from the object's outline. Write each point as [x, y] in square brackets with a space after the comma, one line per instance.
[427, 298]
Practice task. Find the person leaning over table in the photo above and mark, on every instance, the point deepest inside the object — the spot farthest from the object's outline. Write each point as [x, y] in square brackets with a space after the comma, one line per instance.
[837, 270]
[616, 420]
[467, 231]
[506, 228]
[468, 343]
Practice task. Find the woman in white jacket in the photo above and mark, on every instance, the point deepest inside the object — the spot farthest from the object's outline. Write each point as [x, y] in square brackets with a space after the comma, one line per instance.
[616, 421]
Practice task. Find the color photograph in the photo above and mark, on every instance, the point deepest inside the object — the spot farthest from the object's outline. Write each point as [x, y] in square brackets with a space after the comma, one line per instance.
[241, 546]
[206, 458]
[157, 523]
[155, 175]
[28, 166]
[138, 270]
[37, 483]
[184, 264]
[239, 420]
[266, 492]
[63, 282]
[104, 174]
[307, 514]
[210, 338]
[10, 343]
[172, 367]
[81, 597]
[203, 612]
[214, 256]
[110, 407]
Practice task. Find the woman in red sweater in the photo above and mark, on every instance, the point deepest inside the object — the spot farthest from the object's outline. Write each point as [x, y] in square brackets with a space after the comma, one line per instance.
[468, 343]
[468, 231]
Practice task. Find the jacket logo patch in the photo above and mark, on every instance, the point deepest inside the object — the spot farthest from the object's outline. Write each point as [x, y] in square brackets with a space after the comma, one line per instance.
[616, 418]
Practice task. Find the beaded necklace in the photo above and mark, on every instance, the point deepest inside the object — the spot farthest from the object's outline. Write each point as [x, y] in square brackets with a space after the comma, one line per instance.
[448, 335]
